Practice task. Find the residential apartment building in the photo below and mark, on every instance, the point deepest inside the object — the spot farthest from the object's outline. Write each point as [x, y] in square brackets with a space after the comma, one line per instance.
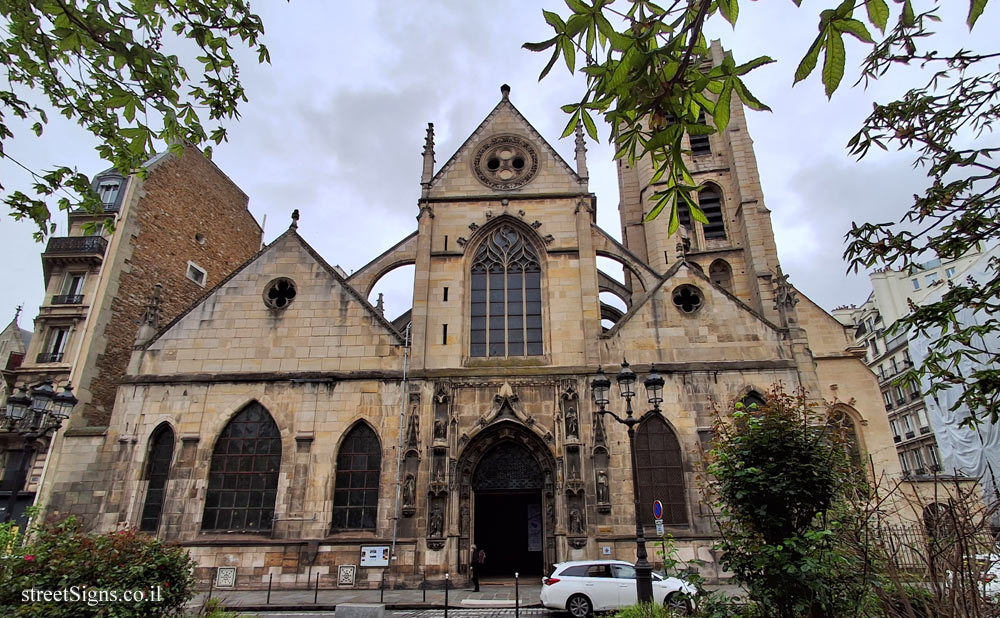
[178, 232]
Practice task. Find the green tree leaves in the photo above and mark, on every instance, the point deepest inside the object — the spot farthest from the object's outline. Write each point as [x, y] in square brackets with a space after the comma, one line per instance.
[106, 67]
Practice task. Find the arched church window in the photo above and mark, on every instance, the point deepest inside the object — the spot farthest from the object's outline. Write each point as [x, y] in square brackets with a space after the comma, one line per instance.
[660, 470]
[710, 202]
[355, 494]
[161, 451]
[721, 275]
[753, 399]
[840, 420]
[243, 478]
[506, 291]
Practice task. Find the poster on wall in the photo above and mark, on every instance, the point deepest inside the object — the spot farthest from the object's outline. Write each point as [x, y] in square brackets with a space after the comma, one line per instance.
[374, 555]
[534, 527]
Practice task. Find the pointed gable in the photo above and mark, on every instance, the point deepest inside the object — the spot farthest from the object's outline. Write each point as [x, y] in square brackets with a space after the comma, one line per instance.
[487, 162]
[717, 327]
[286, 310]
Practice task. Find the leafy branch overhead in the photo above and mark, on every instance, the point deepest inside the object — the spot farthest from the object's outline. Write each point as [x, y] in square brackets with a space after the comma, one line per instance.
[114, 69]
[650, 74]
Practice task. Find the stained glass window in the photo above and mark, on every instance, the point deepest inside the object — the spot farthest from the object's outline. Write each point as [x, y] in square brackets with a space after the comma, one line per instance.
[161, 451]
[355, 494]
[660, 471]
[506, 291]
[243, 478]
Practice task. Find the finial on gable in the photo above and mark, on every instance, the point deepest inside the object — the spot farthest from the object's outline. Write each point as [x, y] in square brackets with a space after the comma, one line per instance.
[505, 91]
[295, 219]
[17, 313]
[428, 172]
[581, 154]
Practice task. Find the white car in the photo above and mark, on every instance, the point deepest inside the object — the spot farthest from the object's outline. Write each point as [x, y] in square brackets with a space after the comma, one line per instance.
[582, 587]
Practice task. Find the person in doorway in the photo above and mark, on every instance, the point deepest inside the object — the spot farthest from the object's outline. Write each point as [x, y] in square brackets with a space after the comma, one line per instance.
[474, 568]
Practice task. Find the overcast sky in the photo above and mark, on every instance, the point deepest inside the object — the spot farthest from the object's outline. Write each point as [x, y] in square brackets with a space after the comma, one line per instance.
[335, 127]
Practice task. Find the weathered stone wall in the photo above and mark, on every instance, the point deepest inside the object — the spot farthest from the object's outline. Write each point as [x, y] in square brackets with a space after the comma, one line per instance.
[187, 210]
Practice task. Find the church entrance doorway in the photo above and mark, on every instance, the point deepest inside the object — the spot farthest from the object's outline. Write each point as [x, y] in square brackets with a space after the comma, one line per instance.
[508, 493]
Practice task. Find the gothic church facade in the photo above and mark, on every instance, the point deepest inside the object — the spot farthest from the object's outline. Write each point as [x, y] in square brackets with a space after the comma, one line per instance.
[282, 423]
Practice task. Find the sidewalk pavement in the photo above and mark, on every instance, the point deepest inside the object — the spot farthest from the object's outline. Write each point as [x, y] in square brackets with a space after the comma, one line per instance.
[493, 594]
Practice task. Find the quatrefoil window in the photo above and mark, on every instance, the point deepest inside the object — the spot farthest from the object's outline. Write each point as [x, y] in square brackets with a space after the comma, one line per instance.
[505, 162]
[279, 293]
[687, 298]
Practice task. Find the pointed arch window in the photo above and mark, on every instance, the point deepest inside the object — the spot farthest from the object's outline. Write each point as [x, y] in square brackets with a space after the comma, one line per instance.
[161, 452]
[660, 470]
[710, 202]
[355, 494]
[243, 478]
[506, 291]
[721, 275]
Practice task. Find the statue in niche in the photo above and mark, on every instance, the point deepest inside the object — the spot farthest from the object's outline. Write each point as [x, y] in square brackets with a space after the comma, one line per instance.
[436, 526]
[411, 430]
[438, 471]
[550, 514]
[572, 423]
[463, 521]
[409, 490]
[574, 470]
[575, 521]
[602, 486]
[440, 429]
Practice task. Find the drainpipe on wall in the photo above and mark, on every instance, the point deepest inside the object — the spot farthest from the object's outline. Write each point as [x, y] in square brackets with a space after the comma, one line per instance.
[399, 448]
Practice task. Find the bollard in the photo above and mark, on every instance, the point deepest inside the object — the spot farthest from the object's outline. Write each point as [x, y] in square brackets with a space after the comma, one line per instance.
[211, 585]
[381, 589]
[517, 598]
[446, 576]
[316, 591]
[270, 578]
[423, 585]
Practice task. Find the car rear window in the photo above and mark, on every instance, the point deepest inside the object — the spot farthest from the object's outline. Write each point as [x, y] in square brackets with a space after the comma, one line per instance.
[579, 570]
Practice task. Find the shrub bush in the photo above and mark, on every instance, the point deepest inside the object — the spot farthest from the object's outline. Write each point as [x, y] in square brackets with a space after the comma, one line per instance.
[63, 572]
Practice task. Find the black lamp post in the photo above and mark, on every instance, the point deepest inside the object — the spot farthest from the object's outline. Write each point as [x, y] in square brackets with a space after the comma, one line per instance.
[33, 418]
[654, 391]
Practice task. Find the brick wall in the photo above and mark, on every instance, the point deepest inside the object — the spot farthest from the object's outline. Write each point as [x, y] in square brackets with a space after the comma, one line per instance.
[190, 211]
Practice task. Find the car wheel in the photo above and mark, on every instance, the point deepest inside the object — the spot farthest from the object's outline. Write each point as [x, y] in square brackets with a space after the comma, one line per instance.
[579, 606]
[679, 603]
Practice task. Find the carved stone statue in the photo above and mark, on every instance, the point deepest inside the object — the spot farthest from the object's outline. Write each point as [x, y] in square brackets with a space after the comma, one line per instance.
[575, 521]
[574, 470]
[409, 490]
[550, 514]
[572, 423]
[598, 429]
[463, 521]
[436, 526]
[602, 486]
[411, 431]
[440, 429]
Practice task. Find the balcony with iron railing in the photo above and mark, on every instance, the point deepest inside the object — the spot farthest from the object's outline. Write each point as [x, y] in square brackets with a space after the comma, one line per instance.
[49, 357]
[76, 244]
[67, 299]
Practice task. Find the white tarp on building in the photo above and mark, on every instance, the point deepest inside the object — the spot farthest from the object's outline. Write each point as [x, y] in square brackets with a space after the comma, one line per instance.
[964, 451]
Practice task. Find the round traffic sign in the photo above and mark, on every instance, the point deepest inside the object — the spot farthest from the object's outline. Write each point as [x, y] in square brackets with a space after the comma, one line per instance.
[657, 509]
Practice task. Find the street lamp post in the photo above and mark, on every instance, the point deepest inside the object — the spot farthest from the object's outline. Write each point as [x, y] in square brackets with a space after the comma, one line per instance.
[33, 418]
[654, 390]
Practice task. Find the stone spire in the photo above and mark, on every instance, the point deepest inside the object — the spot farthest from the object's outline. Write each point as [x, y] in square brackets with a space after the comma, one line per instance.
[581, 154]
[380, 304]
[428, 173]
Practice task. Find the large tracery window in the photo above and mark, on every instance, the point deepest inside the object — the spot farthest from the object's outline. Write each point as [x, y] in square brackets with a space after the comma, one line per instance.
[355, 495]
[243, 479]
[161, 451]
[506, 310]
[660, 471]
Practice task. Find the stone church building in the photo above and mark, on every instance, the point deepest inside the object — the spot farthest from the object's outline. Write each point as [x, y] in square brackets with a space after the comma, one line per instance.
[281, 423]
